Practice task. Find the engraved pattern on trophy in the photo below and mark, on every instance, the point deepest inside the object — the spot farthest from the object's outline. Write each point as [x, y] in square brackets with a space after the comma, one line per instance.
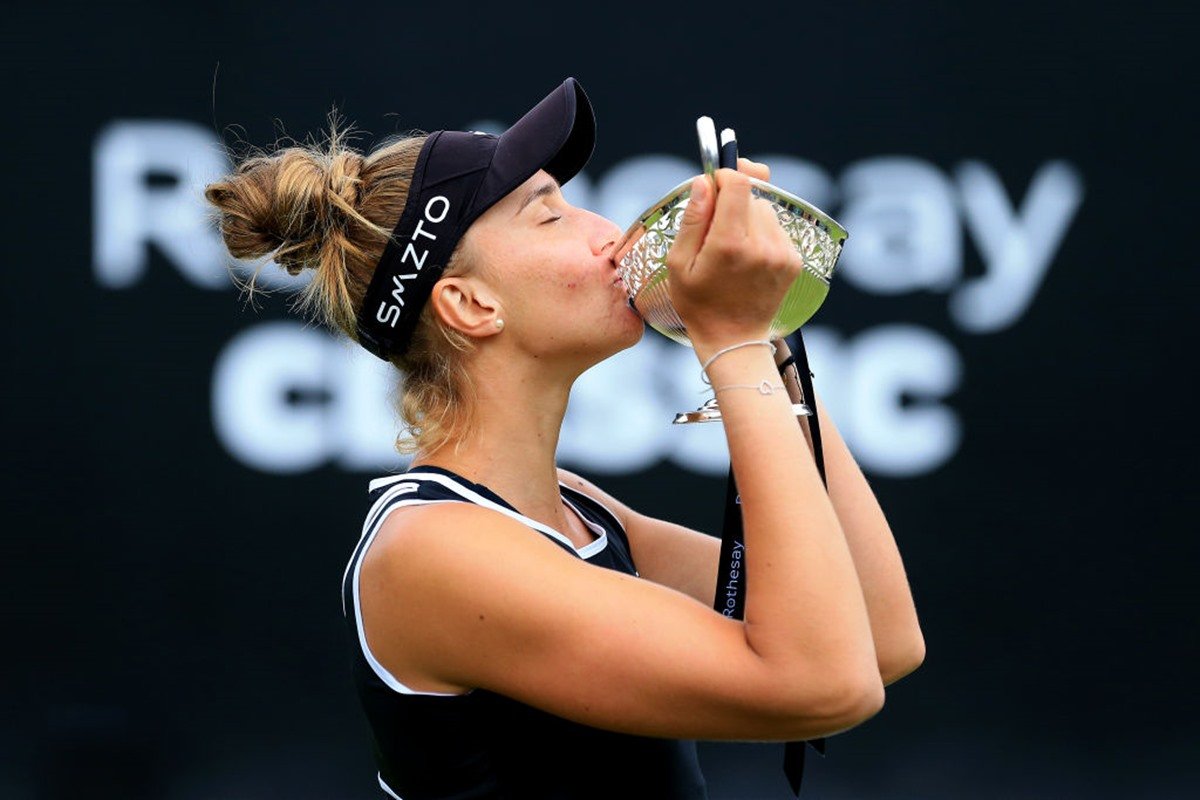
[642, 258]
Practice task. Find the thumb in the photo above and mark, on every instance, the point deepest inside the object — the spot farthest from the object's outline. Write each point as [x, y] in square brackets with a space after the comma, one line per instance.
[694, 225]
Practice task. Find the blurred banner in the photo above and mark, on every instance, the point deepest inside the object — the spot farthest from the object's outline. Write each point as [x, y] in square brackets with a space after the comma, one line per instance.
[286, 399]
[1001, 350]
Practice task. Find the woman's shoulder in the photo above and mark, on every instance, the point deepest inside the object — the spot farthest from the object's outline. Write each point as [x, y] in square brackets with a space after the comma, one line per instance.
[457, 523]
[430, 576]
[451, 538]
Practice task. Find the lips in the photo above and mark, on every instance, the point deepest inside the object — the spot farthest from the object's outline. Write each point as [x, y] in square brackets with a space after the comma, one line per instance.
[620, 284]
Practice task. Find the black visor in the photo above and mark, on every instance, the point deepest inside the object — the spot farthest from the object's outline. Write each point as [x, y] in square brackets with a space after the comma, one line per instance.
[458, 176]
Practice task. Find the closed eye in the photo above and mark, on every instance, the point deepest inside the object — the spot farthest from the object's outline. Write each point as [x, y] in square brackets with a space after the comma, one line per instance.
[552, 219]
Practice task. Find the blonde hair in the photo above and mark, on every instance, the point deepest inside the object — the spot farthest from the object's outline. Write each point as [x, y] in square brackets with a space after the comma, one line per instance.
[329, 208]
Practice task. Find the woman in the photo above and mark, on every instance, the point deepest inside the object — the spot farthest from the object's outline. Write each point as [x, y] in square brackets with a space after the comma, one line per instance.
[517, 631]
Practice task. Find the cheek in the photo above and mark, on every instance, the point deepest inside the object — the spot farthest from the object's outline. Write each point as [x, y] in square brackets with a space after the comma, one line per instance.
[573, 282]
[562, 273]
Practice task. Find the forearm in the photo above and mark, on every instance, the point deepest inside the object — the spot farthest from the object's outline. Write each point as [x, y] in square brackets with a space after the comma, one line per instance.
[803, 603]
[899, 644]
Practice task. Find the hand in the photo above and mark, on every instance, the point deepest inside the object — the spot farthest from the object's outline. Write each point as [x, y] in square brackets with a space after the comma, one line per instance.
[731, 263]
[754, 169]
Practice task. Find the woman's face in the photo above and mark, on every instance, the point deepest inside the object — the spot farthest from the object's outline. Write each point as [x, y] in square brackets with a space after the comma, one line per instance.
[549, 265]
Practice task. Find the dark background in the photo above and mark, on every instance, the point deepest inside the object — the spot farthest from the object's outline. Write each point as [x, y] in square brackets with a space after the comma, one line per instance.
[172, 627]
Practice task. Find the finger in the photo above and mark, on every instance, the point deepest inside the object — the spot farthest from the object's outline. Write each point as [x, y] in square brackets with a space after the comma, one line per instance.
[754, 169]
[763, 221]
[769, 228]
[695, 223]
[731, 217]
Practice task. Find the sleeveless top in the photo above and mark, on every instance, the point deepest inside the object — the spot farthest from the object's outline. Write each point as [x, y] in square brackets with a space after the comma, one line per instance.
[479, 744]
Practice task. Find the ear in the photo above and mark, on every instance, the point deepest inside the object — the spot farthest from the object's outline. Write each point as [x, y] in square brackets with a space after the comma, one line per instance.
[465, 304]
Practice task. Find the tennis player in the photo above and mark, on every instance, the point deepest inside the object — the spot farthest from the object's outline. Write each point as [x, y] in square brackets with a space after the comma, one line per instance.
[517, 632]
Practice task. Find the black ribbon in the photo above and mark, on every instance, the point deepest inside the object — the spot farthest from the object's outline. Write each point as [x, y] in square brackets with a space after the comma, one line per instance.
[731, 577]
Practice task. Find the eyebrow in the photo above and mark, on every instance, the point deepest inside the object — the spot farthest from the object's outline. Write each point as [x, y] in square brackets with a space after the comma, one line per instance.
[548, 188]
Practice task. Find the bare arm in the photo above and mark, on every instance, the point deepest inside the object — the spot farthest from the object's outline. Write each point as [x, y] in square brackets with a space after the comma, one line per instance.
[455, 596]
[899, 644]
[795, 549]
[687, 560]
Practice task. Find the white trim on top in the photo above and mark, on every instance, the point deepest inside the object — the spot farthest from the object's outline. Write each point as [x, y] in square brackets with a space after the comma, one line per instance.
[385, 498]
[387, 788]
[590, 549]
[389, 680]
[389, 479]
[384, 481]
[596, 545]
[614, 517]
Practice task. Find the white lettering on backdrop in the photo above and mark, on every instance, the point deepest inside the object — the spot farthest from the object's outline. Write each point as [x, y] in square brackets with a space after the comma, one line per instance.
[286, 398]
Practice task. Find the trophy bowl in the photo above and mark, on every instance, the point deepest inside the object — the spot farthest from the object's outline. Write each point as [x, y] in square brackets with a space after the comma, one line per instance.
[641, 258]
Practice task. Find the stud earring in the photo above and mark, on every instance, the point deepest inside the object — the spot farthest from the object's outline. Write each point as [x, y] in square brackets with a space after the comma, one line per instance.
[499, 323]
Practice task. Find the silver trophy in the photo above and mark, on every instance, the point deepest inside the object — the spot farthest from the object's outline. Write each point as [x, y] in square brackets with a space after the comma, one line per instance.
[641, 258]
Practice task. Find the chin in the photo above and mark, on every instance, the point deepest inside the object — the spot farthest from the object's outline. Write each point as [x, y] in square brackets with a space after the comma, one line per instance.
[628, 334]
[632, 332]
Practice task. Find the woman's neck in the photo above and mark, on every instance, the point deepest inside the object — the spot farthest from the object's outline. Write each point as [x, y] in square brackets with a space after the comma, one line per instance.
[512, 444]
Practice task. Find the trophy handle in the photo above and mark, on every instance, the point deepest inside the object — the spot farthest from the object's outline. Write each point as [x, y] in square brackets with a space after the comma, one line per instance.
[791, 382]
[710, 153]
[709, 412]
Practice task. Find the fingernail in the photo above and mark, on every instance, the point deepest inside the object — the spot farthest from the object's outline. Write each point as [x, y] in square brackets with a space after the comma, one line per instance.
[699, 189]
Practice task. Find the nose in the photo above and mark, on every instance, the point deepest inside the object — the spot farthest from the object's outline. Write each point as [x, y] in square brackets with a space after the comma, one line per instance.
[604, 235]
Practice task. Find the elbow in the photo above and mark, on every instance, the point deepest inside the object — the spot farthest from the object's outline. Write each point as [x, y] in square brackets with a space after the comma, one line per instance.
[902, 659]
[837, 707]
[862, 701]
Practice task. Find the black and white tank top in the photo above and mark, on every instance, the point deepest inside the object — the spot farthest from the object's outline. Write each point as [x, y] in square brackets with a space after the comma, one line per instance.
[479, 744]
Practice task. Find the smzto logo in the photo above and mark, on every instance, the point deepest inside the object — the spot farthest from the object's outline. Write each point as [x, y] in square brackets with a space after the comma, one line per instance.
[287, 398]
[390, 314]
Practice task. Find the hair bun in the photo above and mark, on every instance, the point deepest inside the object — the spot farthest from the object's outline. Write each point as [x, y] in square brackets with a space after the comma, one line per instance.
[289, 204]
[345, 168]
[321, 206]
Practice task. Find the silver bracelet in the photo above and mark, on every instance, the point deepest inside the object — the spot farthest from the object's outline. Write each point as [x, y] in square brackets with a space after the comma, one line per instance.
[764, 388]
[724, 350]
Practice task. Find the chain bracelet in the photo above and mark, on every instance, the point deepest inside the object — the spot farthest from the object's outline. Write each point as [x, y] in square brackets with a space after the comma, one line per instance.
[724, 350]
[764, 388]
